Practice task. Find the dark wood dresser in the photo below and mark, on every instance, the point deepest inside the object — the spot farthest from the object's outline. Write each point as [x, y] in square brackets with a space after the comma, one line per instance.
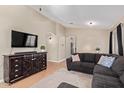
[19, 66]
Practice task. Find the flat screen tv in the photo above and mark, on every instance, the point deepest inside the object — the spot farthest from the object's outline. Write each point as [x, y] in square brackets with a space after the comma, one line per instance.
[20, 39]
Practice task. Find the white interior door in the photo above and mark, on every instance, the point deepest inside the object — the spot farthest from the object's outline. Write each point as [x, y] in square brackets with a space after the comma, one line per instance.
[61, 51]
[70, 45]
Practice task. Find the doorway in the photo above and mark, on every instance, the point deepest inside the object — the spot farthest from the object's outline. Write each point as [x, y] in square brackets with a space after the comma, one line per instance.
[70, 45]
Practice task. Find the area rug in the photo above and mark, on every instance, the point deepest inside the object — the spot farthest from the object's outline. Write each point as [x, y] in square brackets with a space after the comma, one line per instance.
[78, 79]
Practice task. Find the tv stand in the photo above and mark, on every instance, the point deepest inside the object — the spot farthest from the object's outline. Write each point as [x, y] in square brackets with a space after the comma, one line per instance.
[23, 64]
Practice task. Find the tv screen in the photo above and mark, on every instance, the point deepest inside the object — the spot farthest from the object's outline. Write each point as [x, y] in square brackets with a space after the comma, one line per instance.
[20, 39]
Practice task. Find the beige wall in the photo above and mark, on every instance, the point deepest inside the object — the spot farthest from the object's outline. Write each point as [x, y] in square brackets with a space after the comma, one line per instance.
[22, 18]
[56, 46]
[88, 40]
[61, 42]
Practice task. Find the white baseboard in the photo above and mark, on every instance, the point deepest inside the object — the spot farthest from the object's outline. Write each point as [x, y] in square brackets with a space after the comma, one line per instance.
[62, 60]
[1, 81]
[57, 61]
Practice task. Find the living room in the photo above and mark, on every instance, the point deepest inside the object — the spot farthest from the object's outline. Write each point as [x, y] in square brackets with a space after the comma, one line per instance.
[59, 32]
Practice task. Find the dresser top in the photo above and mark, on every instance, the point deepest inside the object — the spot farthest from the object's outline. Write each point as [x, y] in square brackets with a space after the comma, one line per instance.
[25, 53]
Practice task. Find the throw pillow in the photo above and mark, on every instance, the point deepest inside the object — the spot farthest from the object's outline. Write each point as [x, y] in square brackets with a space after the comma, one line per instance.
[75, 58]
[106, 61]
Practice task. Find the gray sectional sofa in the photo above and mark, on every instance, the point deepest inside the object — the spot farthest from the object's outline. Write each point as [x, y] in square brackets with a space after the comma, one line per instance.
[103, 77]
[113, 77]
[87, 62]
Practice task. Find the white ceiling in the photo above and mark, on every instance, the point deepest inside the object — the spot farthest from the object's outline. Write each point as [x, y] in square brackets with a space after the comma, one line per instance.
[103, 16]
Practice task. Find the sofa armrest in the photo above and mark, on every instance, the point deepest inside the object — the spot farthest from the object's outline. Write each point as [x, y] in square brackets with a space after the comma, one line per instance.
[68, 63]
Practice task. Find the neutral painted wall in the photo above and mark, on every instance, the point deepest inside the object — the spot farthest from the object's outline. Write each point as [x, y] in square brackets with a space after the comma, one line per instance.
[89, 40]
[61, 41]
[23, 18]
[56, 46]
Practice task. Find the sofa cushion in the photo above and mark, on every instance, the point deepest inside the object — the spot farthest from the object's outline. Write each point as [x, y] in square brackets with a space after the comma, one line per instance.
[122, 78]
[97, 57]
[104, 70]
[104, 81]
[82, 67]
[87, 65]
[75, 66]
[118, 65]
[89, 57]
[81, 55]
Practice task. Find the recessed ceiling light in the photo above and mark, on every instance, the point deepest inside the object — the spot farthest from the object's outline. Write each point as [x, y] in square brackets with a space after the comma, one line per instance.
[71, 23]
[91, 23]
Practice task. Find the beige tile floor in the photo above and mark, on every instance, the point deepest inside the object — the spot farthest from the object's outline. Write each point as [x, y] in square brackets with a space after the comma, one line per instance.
[29, 81]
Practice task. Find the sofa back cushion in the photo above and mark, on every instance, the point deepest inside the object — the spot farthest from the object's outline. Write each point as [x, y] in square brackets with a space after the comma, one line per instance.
[81, 55]
[118, 65]
[92, 57]
[97, 57]
[89, 57]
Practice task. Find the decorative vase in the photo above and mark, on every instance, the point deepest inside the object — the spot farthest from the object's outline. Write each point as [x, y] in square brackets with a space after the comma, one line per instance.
[97, 50]
[42, 48]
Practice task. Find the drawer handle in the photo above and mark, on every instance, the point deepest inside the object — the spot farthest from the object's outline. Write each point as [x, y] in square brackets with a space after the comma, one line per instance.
[16, 75]
[16, 70]
[33, 59]
[16, 65]
[16, 60]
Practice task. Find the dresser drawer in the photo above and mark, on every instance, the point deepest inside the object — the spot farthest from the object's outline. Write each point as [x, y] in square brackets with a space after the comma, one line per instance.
[16, 60]
[15, 70]
[42, 65]
[44, 59]
[14, 75]
[16, 63]
[15, 67]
